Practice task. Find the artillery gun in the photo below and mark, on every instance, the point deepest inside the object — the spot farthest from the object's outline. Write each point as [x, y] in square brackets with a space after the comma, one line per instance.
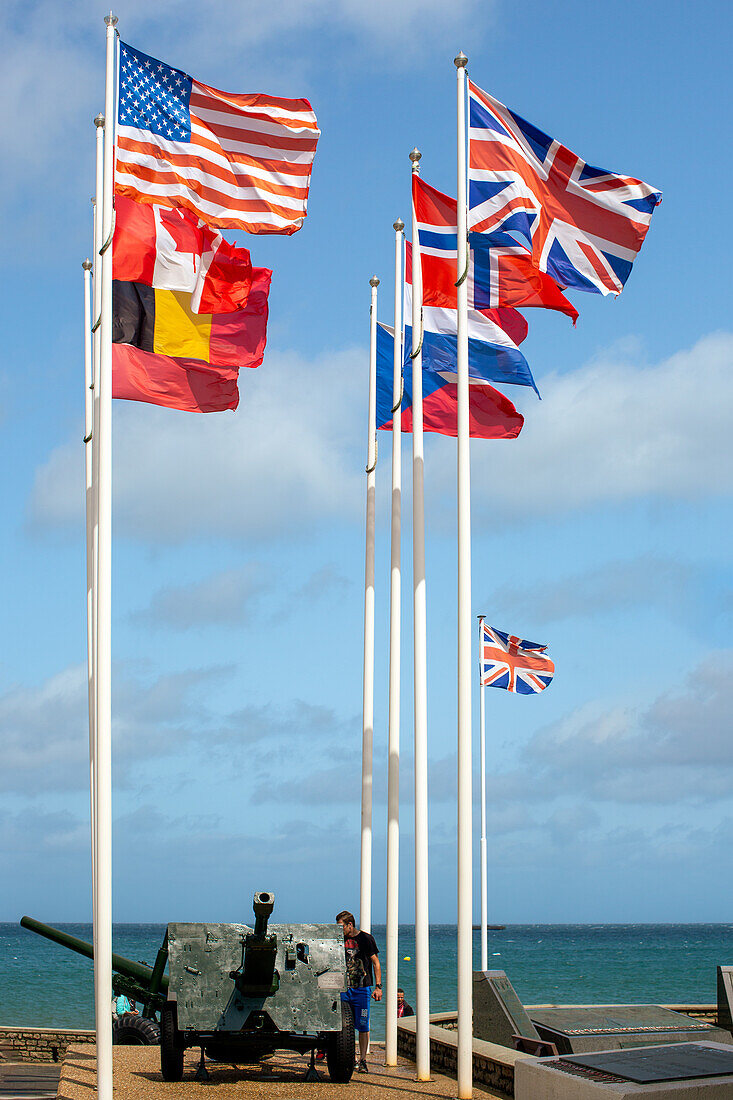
[238, 993]
[241, 994]
[137, 981]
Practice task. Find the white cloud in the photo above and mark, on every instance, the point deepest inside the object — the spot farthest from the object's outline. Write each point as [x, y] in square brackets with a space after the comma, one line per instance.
[45, 738]
[676, 750]
[287, 461]
[661, 582]
[252, 23]
[241, 46]
[228, 598]
[612, 431]
[291, 458]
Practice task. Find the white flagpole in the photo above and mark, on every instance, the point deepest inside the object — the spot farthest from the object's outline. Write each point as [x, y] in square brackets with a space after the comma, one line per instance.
[484, 869]
[465, 853]
[89, 498]
[103, 954]
[395, 600]
[96, 346]
[422, 943]
[365, 900]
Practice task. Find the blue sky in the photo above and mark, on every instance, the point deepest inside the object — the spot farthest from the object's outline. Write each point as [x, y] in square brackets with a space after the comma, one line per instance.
[604, 530]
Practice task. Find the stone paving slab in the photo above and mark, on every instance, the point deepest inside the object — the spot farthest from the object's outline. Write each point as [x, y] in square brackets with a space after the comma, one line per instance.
[137, 1077]
[28, 1081]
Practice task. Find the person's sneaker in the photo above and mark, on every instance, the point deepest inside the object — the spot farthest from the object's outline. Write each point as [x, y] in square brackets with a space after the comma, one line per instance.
[320, 1054]
[362, 1067]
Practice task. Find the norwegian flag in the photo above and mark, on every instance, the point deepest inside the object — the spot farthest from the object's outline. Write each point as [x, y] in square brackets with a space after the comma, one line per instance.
[500, 271]
[583, 225]
[514, 664]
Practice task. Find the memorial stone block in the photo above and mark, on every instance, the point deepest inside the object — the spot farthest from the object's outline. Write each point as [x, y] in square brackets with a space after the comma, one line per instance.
[581, 1028]
[725, 997]
[679, 1071]
[497, 1011]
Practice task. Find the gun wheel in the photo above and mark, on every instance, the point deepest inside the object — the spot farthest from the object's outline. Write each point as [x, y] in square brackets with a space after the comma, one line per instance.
[340, 1053]
[134, 1031]
[171, 1047]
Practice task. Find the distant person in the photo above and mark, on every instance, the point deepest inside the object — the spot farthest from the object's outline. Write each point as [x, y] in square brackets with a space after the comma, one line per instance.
[125, 1007]
[403, 1009]
[362, 967]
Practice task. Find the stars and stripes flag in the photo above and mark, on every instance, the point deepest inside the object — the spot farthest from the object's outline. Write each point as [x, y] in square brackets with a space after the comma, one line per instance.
[583, 225]
[236, 161]
[513, 663]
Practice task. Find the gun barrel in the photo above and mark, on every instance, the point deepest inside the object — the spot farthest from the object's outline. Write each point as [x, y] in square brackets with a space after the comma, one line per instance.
[141, 972]
[263, 903]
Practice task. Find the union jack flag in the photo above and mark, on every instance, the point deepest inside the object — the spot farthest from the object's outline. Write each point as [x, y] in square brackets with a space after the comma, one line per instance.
[512, 663]
[583, 225]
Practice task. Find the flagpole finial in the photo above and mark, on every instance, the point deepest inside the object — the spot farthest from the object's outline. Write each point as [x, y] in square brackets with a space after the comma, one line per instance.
[374, 281]
[461, 61]
[87, 264]
[415, 157]
[398, 226]
[111, 20]
[99, 120]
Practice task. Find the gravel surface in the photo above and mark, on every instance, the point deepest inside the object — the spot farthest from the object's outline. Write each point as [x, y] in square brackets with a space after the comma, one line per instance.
[137, 1077]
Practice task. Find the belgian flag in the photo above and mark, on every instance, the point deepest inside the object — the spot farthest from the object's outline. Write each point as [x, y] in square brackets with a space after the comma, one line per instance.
[165, 354]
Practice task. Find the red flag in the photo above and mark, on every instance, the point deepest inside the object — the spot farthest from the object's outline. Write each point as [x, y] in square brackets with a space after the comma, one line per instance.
[152, 322]
[175, 250]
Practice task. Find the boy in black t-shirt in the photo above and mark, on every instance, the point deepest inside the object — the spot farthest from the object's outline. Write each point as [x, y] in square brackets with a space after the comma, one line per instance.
[362, 968]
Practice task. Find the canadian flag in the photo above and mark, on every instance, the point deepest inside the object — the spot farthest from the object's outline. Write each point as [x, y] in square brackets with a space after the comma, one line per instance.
[174, 250]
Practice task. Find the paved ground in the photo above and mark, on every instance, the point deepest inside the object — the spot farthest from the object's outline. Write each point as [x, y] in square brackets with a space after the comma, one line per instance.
[28, 1081]
[137, 1077]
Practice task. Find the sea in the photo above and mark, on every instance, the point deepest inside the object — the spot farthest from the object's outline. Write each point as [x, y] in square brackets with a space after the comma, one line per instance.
[45, 985]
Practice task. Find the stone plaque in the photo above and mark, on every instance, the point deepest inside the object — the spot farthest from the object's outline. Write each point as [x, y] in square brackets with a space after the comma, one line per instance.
[676, 1062]
[497, 1011]
[614, 1027]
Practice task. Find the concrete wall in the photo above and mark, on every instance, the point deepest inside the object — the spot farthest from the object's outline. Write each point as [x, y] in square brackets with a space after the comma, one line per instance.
[38, 1044]
[493, 1065]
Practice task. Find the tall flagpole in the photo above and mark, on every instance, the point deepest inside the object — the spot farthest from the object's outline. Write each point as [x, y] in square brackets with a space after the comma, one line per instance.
[465, 853]
[422, 943]
[103, 954]
[89, 499]
[365, 900]
[395, 600]
[96, 347]
[484, 869]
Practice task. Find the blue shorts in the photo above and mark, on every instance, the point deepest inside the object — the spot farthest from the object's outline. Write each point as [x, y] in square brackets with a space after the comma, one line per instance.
[360, 1000]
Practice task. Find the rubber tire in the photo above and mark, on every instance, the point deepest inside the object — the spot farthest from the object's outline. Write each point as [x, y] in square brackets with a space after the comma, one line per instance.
[340, 1051]
[171, 1047]
[135, 1031]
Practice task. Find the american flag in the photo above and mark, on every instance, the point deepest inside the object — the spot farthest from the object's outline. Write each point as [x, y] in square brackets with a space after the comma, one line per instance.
[512, 663]
[583, 225]
[236, 161]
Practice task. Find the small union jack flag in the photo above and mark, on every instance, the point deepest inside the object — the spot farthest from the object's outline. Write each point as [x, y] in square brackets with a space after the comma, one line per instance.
[512, 663]
[583, 225]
